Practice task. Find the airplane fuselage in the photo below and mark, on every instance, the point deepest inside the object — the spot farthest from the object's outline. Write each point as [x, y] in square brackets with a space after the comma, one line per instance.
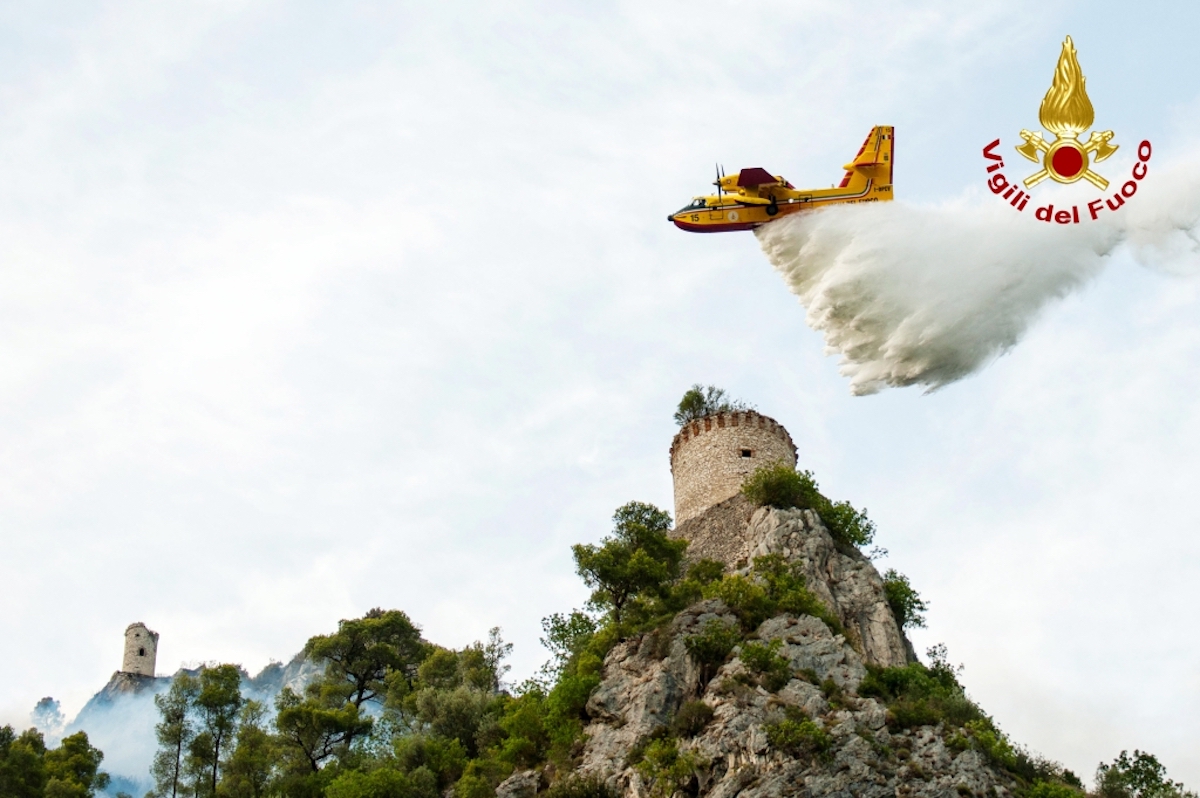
[753, 197]
[726, 214]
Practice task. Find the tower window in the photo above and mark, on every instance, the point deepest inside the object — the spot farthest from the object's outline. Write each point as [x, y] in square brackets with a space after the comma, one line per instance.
[747, 453]
[141, 652]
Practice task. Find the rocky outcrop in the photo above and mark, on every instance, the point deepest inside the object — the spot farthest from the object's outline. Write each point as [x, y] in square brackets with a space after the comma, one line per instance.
[297, 674]
[648, 678]
[523, 784]
[734, 532]
[124, 685]
[841, 577]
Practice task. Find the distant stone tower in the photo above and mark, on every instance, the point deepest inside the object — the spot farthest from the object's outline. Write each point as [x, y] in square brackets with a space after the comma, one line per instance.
[141, 650]
[711, 457]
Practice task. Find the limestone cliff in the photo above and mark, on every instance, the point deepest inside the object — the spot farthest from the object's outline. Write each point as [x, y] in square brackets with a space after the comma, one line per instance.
[735, 532]
[648, 678]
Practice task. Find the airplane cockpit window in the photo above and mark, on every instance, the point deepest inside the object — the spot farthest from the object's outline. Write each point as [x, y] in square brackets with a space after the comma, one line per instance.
[695, 204]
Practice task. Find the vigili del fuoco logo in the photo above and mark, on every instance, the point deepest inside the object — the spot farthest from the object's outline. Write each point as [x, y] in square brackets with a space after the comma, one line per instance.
[1067, 113]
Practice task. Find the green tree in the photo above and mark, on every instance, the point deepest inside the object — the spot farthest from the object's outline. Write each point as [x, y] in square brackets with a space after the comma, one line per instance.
[907, 605]
[73, 769]
[29, 770]
[524, 725]
[691, 718]
[566, 702]
[700, 401]
[566, 635]
[846, 523]
[314, 730]
[1053, 789]
[474, 785]
[22, 763]
[217, 703]
[773, 586]
[764, 660]
[382, 783]
[1137, 776]
[174, 732]
[458, 713]
[362, 652]
[917, 695]
[665, 769]
[711, 646]
[249, 768]
[47, 716]
[797, 735]
[639, 558]
[781, 486]
[444, 758]
[440, 669]
[481, 665]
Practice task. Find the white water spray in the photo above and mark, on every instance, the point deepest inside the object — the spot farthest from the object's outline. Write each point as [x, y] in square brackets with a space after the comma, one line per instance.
[926, 296]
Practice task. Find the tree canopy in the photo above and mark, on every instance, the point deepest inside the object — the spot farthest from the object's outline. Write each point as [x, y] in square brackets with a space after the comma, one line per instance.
[1137, 776]
[28, 769]
[638, 558]
[906, 604]
[700, 401]
[361, 653]
[781, 486]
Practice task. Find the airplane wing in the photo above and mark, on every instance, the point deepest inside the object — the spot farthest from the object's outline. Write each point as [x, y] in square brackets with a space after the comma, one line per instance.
[756, 176]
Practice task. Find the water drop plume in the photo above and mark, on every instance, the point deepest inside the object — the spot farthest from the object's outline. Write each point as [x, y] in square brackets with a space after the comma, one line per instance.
[924, 296]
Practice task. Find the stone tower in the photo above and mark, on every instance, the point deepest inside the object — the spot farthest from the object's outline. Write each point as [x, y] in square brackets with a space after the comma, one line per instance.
[141, 650]
[710, 457]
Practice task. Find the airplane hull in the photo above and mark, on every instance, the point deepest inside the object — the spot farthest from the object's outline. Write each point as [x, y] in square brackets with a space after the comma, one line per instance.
[710, 226]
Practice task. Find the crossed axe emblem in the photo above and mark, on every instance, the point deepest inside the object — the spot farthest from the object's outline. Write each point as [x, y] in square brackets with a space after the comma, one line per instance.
[1074, 165]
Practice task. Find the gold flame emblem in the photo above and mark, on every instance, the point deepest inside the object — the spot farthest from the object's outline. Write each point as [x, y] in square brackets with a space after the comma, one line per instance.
[1067, 112]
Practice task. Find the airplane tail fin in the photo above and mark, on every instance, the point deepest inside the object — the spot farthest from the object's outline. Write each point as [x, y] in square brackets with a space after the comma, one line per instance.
[874, 161]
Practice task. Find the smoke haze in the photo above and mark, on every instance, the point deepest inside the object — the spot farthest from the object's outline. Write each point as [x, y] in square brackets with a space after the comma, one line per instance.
[122, 726]
[120, 718]
[925, 296]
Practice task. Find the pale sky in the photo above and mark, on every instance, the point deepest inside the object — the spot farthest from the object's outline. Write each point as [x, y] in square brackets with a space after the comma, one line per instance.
[309, 308]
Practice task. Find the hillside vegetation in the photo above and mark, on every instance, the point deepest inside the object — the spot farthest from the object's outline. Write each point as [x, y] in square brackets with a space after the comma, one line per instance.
[787, 674]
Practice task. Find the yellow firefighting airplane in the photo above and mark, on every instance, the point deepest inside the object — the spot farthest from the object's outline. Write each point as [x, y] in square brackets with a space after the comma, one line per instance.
[754, 197]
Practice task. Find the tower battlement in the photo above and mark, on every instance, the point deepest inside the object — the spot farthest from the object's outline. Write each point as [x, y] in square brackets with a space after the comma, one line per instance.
[713, 455]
